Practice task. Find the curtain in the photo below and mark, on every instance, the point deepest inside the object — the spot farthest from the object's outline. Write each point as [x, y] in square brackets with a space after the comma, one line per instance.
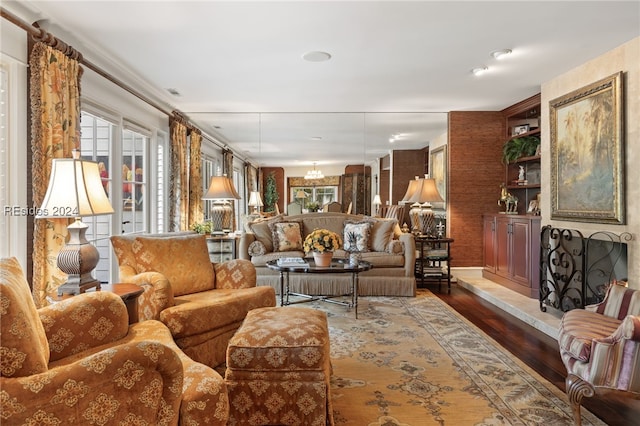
[178, 183]
[227, 169]
[55, 132]
[195, 179]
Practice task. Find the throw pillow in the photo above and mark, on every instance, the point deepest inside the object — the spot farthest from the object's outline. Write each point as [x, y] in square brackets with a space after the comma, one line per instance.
[262, 231]
[395, 247]
[184, 261]
[256, 248]
[356, 236]
[287, 236]
[382, 233]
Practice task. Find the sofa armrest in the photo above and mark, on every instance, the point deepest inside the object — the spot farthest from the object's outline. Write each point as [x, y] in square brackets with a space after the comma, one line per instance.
[101, 314]
[245, 241]
[119, 385]
[156, 297]
[409, 243]
[234, 274]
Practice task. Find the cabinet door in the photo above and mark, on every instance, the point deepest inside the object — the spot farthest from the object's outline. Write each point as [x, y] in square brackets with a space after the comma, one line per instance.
[503, 246]
[489, 244]
[520, 266]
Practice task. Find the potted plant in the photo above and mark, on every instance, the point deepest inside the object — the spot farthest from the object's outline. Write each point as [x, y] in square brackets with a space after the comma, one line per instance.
[202, 227]
[313, 206]
[515, 148]
[322, 243]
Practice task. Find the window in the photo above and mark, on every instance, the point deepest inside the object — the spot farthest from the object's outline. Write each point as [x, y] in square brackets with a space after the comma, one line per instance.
[318, 194]
[134, 181]
[95, 145]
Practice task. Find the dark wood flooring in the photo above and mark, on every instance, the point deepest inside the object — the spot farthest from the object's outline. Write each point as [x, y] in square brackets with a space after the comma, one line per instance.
[537, 350]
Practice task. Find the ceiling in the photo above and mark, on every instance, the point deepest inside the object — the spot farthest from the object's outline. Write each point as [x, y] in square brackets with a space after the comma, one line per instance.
[395, 67]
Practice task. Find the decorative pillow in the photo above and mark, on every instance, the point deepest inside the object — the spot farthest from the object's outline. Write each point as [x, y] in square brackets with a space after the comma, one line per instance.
[25, 349]
[262, 231]
[395, 247]
[256, 248]
[382, 233]
[184, 261]
[287, 236]
[356, 236]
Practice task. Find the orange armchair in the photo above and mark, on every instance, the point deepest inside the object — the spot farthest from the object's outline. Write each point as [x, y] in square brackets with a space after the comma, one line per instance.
[79, 361]
[600, 347]
[202, 304]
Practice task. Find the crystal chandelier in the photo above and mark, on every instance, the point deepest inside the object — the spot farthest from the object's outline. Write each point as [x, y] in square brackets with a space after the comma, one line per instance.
[314, 174]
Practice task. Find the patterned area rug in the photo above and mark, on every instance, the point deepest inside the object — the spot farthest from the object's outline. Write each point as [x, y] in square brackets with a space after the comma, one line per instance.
[415, 362]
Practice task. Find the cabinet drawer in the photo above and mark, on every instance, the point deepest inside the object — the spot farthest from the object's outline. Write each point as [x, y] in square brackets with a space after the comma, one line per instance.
[220, 246]
[220, 257]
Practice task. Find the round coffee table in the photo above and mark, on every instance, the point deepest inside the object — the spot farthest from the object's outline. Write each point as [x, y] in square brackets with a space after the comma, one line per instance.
[337, 266]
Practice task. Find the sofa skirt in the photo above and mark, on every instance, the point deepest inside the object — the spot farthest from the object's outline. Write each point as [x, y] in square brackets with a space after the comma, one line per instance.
[376, 282]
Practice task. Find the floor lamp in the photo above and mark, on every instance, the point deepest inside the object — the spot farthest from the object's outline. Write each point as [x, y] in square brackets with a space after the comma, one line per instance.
[421, 193]
[221, 190]
[75, 190]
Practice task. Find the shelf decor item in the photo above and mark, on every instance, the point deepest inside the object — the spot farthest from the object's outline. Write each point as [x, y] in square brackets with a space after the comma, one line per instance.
[75, 191]
[587, 155]
[523, 146]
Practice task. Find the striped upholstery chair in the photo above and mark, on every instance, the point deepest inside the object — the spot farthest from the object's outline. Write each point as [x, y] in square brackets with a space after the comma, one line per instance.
[600, 346]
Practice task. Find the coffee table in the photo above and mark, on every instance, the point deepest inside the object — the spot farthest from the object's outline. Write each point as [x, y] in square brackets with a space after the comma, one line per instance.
[338, 266]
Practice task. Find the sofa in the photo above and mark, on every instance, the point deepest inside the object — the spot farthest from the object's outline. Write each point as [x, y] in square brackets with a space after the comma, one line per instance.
[391, 253]
[201, 303]
[600, 347]
[79, 362]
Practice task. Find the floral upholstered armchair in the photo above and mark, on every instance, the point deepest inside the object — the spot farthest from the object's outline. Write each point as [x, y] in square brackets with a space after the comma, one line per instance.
[203, 304]
[79, 362]
[600, 347]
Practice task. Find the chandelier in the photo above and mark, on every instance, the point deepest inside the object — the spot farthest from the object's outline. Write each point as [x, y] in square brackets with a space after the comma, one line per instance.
[314, 174]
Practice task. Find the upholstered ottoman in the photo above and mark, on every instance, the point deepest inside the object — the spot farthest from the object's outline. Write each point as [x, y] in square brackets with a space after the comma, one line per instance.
[278, 368]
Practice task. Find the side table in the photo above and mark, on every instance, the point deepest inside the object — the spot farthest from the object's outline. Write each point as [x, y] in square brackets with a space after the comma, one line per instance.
[433, 260]
[128, 293]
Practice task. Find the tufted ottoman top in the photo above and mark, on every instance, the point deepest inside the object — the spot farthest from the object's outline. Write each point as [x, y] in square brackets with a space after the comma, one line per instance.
[280, 339]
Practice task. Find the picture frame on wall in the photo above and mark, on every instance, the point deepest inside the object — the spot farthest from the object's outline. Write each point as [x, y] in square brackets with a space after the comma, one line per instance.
[520, 130]
[438, 172]
[587, 153]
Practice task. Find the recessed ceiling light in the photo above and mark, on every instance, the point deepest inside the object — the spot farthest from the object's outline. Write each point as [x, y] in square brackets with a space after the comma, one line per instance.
[500, 54]
[479, 70]
[173, 91]
[316, 138]
[316, 56]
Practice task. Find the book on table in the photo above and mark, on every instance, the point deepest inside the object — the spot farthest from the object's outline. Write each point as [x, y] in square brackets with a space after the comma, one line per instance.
[292, 261]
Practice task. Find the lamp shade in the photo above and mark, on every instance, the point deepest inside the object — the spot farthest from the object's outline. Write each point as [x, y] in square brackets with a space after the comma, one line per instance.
[255, 200]
[411, 189]
[221, 188]
[75, 190]
[301, 194]
[425, 192]
[376, 200]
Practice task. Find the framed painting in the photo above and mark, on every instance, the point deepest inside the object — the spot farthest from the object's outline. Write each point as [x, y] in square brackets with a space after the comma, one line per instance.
[438, 169]
[587, 153]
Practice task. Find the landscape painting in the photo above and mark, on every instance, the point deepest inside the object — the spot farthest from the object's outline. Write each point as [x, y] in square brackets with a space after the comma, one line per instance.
[587, 154]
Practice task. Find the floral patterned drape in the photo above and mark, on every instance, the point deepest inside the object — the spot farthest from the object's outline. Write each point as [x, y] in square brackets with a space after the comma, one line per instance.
[179, 179]
[55, 132]
[195, 178]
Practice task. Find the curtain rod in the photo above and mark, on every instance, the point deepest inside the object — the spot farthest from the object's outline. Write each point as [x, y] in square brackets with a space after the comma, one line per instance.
[51, 40]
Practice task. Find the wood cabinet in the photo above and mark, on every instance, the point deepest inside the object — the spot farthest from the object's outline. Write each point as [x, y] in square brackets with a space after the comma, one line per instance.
[512, 252]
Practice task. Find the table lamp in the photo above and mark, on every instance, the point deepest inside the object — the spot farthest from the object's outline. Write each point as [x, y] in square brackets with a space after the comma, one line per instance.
[301, 195]
[422, 192]
[255, 201]
[75, 190]
[221, 190]
[377, 202]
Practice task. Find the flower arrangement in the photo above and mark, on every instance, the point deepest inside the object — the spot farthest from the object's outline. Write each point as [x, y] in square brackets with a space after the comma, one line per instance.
[321, 240]
[202, 227]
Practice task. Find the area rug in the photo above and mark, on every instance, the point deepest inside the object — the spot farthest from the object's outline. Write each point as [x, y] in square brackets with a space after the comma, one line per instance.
[415, 362]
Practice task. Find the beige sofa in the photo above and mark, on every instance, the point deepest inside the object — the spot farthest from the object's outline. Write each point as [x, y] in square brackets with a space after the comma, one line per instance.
[391, 252]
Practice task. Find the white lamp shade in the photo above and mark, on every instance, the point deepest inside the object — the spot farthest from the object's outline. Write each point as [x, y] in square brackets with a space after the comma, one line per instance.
[221, 188]
[75, 190]
[376, 200]
[255, 200]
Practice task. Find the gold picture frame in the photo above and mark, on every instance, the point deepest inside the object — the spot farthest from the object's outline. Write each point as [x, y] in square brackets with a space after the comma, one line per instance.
[438, 172]
[587, 153]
